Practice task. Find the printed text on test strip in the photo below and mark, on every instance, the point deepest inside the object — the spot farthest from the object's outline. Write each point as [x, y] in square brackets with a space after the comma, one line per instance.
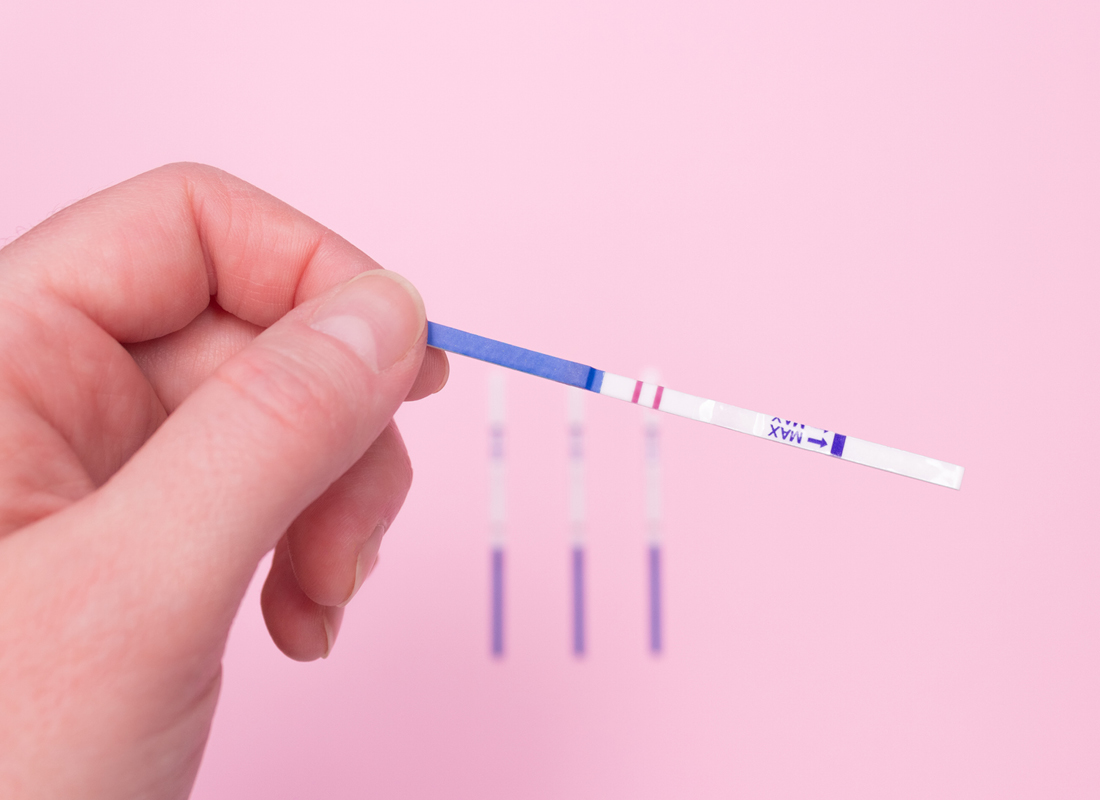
[765, 426]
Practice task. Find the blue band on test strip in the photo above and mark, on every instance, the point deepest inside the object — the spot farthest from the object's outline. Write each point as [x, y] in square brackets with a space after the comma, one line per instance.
[578, 601]
[497, 601]
[654, 598]
[512, 357]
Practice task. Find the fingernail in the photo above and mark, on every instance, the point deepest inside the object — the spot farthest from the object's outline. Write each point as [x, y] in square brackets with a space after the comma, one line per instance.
[378, 314]
[331, 618]
[367, 558]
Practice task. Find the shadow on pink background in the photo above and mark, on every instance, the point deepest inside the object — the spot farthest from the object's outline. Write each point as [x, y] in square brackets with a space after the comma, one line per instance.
[884, 220]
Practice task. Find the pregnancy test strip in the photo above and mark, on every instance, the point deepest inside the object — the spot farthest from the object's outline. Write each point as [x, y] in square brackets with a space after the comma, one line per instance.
[575, 409]
[660, 398]
[652, 432]
[496, 514]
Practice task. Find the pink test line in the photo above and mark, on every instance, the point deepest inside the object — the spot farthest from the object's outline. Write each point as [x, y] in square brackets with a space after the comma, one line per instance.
[656, 397]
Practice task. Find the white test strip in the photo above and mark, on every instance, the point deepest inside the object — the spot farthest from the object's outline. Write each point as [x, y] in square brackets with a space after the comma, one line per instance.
[496, 514]
[577, 515]
[496, 459]
[650, 395]
[652, 428]
[784, 431]
[653, 513]
[575, 409]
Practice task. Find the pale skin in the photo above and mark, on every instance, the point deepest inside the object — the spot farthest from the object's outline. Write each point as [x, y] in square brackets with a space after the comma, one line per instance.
[189, 378]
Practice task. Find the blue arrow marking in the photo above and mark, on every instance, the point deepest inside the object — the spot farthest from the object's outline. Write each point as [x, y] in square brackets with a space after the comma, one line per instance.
[818, 442]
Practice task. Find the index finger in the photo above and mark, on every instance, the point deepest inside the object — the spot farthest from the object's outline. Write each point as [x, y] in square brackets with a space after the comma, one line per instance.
[144, 258]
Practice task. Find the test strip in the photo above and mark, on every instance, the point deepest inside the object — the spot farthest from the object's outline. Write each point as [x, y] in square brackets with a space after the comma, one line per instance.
[496, 514]
[652, 446]
[648, 394]
[577, 516]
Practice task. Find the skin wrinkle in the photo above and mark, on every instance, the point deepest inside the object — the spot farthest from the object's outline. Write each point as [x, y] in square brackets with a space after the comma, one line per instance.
[255, 239]
[209, 340]
[26, 500]
[198, 207]
[162, 357]
[99, 379]
[120, 250]
[230, 211]
[155, 416]
[272, 410]
[302, 389]
[18, 372]
[243, 235]
[13, 366]
[170, 217]
[311, 259]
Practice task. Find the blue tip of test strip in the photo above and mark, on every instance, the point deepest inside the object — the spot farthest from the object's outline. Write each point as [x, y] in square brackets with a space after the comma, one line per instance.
[506, 355]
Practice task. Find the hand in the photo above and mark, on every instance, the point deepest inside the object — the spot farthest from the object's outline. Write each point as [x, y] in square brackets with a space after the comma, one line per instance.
[191, 373]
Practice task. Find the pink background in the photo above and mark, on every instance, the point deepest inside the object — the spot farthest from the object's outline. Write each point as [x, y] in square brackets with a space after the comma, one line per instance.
[879, 218]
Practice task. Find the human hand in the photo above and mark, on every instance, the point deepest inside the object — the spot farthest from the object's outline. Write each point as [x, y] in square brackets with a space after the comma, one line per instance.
[187, 380]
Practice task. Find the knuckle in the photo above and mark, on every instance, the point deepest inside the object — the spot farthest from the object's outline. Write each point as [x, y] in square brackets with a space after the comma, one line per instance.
[399, 467]
[287, 391]
[406, 468]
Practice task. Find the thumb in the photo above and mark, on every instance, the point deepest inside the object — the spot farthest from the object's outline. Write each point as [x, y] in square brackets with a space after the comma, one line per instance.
[221, 480]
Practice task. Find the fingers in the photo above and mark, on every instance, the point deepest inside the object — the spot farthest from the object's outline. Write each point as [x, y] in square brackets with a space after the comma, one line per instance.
[332, 547]
[143, 258]
[176, 364]
[136, 262]
[299, 627]
[434, 371]
[334, 542]
[255, 444]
